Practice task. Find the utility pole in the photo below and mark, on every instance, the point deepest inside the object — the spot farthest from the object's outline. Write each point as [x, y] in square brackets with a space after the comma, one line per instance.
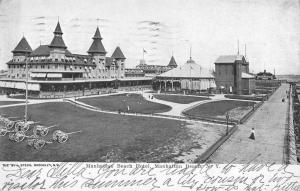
[227, 119]
[26, 91]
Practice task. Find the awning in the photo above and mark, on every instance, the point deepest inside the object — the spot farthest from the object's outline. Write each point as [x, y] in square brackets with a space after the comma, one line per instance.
[20, 85]
[41, 75]
[10, 84]
[54, 75]
[2, 84]
[34, 87]
[38, 75]
[33, 75]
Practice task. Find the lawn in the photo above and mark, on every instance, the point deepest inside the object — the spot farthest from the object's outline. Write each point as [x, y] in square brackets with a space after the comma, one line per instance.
[10, 102]
[136, 103]
[179, 98]
[235, 109]
[104, 137]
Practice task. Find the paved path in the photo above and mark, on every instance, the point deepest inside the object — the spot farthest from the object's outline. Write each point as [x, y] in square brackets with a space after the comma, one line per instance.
[178, 108]
[269, 123]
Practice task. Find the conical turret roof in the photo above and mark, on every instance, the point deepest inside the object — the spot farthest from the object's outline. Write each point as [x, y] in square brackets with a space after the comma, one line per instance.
[58, 29]
[118, 54]
[97, 34]
[22, 47]
[172, 62]
[57, 41]
[97, 46]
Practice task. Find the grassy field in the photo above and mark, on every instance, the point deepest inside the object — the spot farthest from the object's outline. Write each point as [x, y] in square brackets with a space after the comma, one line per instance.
[179, 98]
[104, 137]
[10, 102]
[136, 103]
[182, 93]
[236, 109]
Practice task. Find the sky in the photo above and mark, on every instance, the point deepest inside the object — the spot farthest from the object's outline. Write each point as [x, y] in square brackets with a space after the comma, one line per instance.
[269, 28]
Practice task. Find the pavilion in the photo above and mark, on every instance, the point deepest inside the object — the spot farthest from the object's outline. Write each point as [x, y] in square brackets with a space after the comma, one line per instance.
[188, 77]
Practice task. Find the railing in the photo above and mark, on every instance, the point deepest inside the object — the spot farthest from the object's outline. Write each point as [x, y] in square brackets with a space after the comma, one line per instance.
[289, 151]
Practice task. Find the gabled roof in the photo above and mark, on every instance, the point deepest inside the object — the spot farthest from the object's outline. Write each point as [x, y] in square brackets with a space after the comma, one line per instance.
[189, 70]
[22, 47]
[57, 42]
[172, 62]
[97, 46]
[118, 54]
[58, 29]
[229, 58]
[44, 50]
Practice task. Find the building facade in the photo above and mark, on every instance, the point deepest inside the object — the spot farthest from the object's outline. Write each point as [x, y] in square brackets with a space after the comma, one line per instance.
[232, 74]
[154, 70]
[53, 71]
[188, 77]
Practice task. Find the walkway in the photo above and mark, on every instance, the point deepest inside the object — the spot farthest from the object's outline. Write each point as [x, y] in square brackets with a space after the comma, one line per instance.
[268, 146]
[178, 108]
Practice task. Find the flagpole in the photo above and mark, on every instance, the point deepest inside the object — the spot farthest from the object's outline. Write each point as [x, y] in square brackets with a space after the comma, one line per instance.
[143, 54]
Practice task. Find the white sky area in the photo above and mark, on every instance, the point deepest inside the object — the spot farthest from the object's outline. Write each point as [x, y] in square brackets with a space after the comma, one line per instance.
[270, 28]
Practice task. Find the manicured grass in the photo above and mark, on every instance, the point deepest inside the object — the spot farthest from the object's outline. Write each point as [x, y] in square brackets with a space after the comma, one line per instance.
[104, 137]
[218, 108]
[136, 103]
[186, 93]
[179, 98]
[10, 102]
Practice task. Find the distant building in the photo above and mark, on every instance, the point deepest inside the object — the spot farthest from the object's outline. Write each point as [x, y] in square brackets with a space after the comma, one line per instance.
[232, 74]
[188, 77]
[265, 76]
[154, 70]
[134, 72]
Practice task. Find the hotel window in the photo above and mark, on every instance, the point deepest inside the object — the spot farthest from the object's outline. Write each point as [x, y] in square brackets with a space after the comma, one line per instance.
[48, 66]
[65, 67]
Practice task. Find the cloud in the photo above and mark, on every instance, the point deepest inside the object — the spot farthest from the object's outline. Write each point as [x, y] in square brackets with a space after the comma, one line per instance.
[152, 23]
[40, 30]
[155, 35]
[152, 60]
[41, 17]
[75, 25]
[40, 24]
